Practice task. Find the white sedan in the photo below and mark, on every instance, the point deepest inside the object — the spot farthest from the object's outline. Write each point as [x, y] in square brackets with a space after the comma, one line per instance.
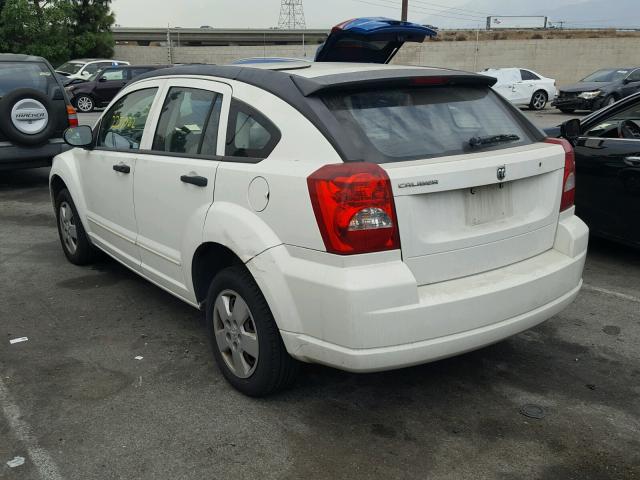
[523, 87]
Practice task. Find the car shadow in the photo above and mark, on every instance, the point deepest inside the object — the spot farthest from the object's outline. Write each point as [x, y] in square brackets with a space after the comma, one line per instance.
[27, 178]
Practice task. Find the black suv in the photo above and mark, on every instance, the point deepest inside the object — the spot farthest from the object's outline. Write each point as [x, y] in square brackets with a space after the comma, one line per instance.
[34, 112]
[598, 90]
[100, 88]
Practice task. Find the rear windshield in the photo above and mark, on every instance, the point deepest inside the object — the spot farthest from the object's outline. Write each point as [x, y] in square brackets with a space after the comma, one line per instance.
[411, 123]
[14, 75]
[70, 67]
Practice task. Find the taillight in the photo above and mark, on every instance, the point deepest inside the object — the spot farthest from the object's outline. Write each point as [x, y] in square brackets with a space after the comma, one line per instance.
[354, 208]
[72, 115]
[569, 179]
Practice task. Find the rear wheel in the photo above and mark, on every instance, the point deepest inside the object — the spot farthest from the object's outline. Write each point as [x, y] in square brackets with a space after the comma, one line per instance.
[74, 239]
[244, 336]
[538, 100]
[85, 103]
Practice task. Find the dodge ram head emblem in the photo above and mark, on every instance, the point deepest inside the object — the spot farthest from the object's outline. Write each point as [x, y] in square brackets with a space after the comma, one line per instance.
[502, 173]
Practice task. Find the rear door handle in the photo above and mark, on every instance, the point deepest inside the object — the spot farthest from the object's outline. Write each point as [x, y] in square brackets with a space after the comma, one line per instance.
[196, 180]
[122, 168]
[632, 161]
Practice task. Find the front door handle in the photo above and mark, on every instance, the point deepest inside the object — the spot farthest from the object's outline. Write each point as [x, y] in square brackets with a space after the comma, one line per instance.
[122, 168]
[632, 161]
[196, 180]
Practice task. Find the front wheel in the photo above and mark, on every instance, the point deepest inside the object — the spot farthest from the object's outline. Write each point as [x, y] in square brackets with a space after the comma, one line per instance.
[85, 103]
[244, 336]
[539, 100]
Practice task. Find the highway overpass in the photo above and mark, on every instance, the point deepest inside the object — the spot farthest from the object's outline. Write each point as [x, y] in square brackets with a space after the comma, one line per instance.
[215, 37]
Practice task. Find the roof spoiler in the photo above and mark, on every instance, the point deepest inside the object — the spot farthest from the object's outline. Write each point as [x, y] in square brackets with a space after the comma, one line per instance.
[388, 78]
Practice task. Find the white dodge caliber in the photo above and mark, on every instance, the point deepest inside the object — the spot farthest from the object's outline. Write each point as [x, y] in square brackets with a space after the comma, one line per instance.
[367, 217]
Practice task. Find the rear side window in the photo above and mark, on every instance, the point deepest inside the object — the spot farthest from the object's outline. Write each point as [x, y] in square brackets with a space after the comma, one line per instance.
[527, 75]
[14, 75]
[250, 134]
[189, 122]
[123, 124]
[412, 123]
[114, 74]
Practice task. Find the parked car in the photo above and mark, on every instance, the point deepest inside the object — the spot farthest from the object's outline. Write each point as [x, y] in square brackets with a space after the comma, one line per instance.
[34, 112]
[101, 87]
[598, 90]
[607, 149]
[83, 68]
[523, 87]
[457, 231]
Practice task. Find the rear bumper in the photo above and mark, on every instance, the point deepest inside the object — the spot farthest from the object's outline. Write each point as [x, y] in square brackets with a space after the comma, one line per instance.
[372, 317]
[14, 157]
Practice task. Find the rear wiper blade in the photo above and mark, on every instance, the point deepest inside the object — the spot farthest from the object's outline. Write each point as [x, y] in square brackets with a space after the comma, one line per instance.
[502, 138]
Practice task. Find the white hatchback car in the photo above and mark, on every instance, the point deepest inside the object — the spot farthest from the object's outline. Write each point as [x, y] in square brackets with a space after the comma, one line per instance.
[523, 87]
[366, 217]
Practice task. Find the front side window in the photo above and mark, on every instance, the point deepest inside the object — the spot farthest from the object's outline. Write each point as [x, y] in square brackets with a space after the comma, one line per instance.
[189, 122]
[123, 125]
[399, 124]
[621, 124]
[634, 77]
[250, 134]
[527, 75]
[114, 74]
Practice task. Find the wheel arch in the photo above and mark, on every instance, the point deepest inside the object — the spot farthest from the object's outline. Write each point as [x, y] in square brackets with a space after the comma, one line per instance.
[208, 260]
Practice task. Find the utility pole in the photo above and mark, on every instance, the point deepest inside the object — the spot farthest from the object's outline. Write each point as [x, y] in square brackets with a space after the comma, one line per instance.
[405, 10]
[291, 15]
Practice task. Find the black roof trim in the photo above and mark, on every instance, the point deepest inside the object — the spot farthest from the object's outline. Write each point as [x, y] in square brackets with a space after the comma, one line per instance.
[390, 77]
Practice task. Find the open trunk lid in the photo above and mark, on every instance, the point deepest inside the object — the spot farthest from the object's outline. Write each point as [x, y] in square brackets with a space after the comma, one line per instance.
[370, 40]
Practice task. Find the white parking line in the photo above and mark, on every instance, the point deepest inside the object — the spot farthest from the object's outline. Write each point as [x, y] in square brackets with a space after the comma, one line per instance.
[40, 458]
[613, 293]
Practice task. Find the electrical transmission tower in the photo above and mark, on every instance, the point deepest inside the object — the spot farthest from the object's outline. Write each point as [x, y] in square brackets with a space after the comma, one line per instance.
[291, 15]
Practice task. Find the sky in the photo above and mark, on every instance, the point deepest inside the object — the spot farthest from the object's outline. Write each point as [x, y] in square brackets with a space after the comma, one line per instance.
[318, 13]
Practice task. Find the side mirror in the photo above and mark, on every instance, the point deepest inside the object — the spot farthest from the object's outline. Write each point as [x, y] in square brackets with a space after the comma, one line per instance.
[81, 136]
[102, 79]
[627, 80]
[570, 129]
[85, 74]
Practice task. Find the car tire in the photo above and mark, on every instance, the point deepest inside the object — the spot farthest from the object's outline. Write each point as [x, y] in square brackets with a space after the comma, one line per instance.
[73, 237]
[539, 100]
[85, 103]
[567, 110]
[247, 346]
[31, 98]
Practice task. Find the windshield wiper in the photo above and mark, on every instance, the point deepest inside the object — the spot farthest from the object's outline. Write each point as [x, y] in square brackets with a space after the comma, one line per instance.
[491, 139]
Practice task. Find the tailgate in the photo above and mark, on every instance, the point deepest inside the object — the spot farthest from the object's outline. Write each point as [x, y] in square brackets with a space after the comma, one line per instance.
[456, 218]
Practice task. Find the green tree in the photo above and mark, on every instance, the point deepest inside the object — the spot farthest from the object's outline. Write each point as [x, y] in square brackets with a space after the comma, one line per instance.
[36, 27]
[91, 33]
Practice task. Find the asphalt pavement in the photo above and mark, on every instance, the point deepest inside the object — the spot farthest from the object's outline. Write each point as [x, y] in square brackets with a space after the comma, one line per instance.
[75, 402]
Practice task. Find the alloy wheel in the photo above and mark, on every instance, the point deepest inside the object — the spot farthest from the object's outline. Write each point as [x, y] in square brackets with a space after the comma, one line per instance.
[235, 333]
[68, 229]
[85, 104]
[539, 100]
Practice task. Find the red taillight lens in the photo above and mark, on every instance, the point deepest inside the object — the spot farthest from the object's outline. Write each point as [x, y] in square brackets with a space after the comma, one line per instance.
[569, 180]
[354, 208]
[72, 115]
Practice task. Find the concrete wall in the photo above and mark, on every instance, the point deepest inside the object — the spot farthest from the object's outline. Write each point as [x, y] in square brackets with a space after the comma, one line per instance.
[566, 60]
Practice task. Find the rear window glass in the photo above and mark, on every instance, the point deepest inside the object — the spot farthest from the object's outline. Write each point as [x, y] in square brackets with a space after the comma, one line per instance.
[412, 123]
[14, 75]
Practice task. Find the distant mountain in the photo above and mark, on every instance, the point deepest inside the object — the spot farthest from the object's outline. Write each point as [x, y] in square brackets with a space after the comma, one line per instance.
[577, 13]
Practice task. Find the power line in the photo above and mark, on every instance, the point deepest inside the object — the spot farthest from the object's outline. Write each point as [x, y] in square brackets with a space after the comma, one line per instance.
[396, 6]
[447, 8]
